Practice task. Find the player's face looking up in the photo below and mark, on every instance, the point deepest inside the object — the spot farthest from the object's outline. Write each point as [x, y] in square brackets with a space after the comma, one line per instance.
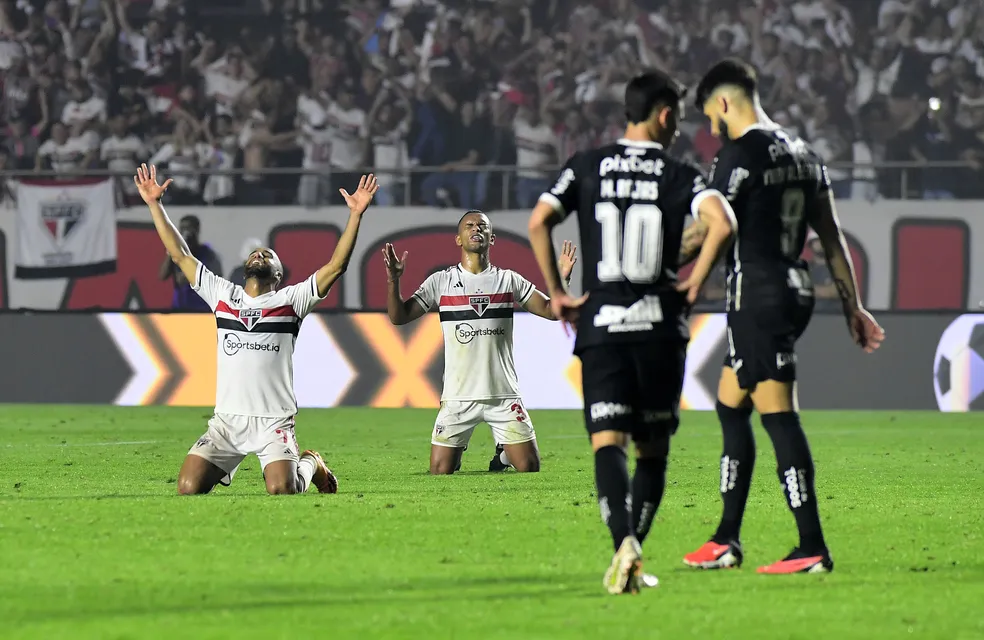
[475, 233]
[264, 265]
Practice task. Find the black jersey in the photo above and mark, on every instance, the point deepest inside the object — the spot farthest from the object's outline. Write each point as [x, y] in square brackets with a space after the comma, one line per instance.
[632, 201]
[772, 178]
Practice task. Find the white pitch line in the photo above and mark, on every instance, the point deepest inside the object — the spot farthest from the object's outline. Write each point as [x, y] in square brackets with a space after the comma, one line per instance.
[88, 444]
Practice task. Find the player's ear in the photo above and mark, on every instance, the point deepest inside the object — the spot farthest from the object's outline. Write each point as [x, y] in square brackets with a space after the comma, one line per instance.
[457, 239]
[492, 239]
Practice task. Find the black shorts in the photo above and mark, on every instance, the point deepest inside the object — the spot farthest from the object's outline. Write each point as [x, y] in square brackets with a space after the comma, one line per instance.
[633, 387]
[761, 342]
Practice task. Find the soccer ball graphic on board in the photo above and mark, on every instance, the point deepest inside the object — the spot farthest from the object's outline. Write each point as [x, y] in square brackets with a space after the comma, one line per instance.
[958, 367]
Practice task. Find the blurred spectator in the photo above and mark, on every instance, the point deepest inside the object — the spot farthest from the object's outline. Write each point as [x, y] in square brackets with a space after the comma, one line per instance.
[122, 151]
[65, 152]
[345, 86]
[21, 146]
[465, 150]
[535, 151]
[185, 297]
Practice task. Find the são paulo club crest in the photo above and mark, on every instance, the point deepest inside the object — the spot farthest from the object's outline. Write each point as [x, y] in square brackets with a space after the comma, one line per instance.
[62, 216]
[249, 317]
[479, 303]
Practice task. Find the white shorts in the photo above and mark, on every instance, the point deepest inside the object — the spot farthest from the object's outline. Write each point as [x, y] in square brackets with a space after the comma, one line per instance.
[457, 420]
[230, 438]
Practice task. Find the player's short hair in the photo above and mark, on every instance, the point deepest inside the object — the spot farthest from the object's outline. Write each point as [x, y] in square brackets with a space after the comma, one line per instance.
[733, 72]
[649, 90]
[468, 213]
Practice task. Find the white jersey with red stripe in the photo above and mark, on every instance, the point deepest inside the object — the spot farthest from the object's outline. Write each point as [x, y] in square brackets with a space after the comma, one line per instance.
[256, 337]
[477, 319]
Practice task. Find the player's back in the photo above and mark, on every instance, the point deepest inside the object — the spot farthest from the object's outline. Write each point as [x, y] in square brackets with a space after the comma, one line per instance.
[632, 199]
[771, 178]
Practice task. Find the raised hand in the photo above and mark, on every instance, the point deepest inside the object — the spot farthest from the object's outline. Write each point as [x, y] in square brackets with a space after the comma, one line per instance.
[567, 259]
[146, 181]
[394, 265]
[865, 330]
[359, 201]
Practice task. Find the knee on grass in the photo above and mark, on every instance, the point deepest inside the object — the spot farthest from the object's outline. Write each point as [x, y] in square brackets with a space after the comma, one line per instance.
[529, 463]
[191, 486]
[281, 487]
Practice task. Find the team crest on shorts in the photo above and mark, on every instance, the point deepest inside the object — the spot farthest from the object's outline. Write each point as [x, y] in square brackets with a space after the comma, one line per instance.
[249, 317]
[479, 303]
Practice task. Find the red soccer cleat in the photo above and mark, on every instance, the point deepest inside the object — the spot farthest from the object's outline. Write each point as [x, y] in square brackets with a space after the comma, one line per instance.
[713, 555]
[800, 562]
[323, 478]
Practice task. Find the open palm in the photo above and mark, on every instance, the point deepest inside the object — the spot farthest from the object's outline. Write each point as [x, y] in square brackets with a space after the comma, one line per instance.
[394, 265]
[359, 201]
[146, 181]
[567, 259]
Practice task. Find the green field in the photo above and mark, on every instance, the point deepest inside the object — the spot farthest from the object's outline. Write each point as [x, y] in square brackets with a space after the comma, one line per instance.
[94, 542]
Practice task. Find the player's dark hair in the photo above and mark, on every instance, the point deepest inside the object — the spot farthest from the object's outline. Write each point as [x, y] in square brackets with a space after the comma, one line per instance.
[649, 91]
[727, 72]
[468, 213]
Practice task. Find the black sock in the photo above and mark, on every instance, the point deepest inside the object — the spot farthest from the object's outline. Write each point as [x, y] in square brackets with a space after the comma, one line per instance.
[737, 464]
[648, 484]
[612, 481]
[796, 476]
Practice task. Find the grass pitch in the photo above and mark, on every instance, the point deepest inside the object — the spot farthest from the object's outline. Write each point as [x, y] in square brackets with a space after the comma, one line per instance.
[94, 543]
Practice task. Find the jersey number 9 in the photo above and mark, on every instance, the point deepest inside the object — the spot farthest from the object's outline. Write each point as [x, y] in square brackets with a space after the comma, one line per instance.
[635, 252]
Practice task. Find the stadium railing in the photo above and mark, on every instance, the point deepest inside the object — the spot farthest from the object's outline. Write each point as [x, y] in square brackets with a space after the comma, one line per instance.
[893, 180]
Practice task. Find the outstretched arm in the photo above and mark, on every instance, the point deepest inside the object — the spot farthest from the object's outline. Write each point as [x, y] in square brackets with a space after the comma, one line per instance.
[357, 203]
[177, 248]
[400, 311]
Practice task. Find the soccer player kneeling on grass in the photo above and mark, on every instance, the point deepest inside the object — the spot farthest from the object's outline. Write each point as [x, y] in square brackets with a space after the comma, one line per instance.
[257, 328]
[475, 300]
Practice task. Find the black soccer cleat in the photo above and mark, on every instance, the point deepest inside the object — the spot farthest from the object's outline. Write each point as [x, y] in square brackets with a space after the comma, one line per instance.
[495, 464]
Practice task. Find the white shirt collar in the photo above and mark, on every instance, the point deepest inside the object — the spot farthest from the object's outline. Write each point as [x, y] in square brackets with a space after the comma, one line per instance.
[764, 126]
[640, 143]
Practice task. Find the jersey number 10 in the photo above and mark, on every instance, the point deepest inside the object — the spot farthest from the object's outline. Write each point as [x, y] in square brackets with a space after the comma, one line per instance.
[635, 252]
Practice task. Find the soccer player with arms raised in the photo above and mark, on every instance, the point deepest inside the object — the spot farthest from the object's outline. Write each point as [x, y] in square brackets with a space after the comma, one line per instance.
[257, 329]
[475, 299]
[632, 201]
[777, 186]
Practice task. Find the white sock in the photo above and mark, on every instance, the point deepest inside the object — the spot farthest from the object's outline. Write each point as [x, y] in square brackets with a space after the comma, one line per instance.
[305, 469]
[504, 459]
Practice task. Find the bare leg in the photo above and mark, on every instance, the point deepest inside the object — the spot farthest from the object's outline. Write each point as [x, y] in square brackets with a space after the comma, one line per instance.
[444, 460]
[282, 478]
[198, 476]
[524, 457]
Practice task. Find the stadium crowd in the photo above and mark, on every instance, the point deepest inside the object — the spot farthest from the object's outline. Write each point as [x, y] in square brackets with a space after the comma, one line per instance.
[336, 86]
